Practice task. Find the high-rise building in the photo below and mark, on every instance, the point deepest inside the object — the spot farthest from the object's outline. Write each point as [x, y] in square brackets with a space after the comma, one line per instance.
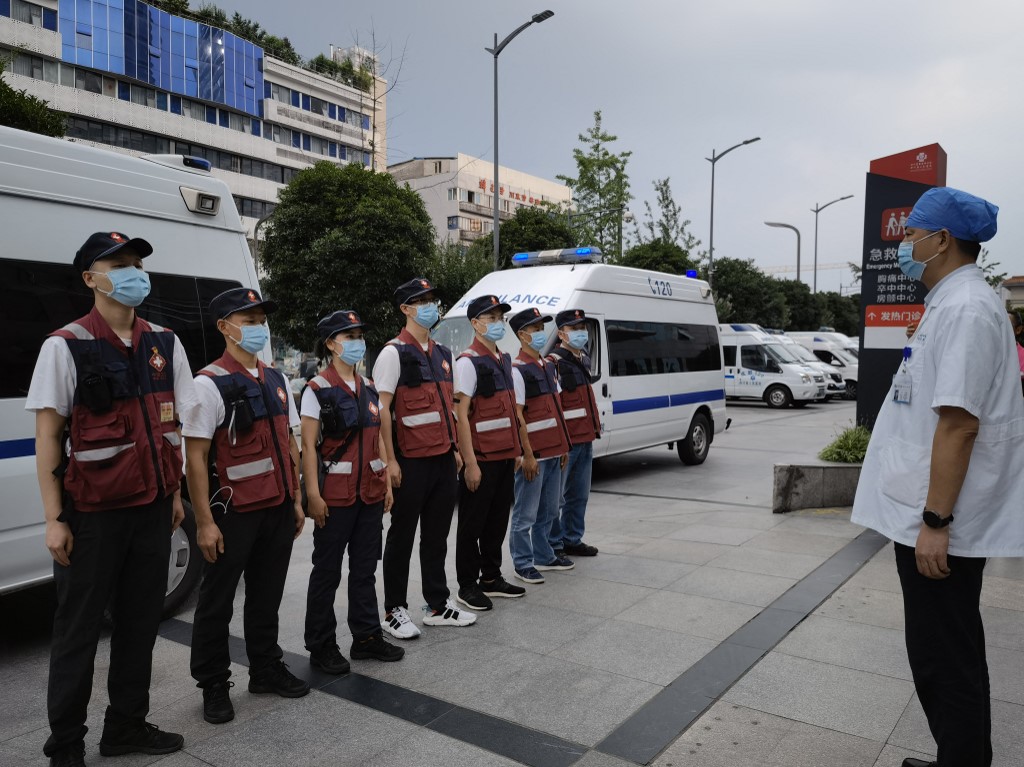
[138, 79]
[458, 193]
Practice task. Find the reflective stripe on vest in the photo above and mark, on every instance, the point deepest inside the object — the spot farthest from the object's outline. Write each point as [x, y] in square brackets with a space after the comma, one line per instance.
[578, 412]
[497, 423]
[252, 469]
[101, 453]
[547, 423]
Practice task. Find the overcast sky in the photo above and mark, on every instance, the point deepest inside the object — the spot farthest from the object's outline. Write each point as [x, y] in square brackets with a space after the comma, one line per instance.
[827, 86]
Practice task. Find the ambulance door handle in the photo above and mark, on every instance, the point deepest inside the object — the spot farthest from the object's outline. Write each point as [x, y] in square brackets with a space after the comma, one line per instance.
[604, 390]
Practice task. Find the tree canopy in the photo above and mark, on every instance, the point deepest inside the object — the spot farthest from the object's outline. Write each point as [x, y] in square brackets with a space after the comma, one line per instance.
[529, 229]
[658, 256]
[343, 237]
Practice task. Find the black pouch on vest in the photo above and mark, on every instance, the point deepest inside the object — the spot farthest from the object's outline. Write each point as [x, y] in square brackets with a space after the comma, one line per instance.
[485, 386]
[330, 420]
[242, 416]
[567, 377]
[95, 393]
[412, 375]
[532, 387]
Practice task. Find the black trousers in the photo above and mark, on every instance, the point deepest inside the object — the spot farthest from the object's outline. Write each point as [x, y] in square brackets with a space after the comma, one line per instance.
[427, 496]
[946, 648]
[119, 557]
[483, 522]
[357, 527]
[258, 545]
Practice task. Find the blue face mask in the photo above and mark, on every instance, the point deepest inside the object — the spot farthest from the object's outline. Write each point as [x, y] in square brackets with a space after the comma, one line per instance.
[537, 340]
[254, 337]
[578, 338]
[130, 285]
[426, 315]
[352, 351]
[905, 254]
[495, 331]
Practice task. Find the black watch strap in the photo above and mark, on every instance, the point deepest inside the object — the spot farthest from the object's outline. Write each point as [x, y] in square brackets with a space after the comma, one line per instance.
[934, 520]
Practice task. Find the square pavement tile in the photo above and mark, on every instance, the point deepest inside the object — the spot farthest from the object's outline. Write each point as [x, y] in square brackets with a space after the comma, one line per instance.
[644, 528]
[823, 524]
[697, 616]
[1005, 567]
[1003, 628]
[879, 575]
[597, 759]
[1006, 674]
[729, 536]
[753, 560]
[727, 734]
[688, 552]
[893, 756]
[537, 628]
[586, 595]
[793, 542]
[641, 652]
[424, 748]
[1005, 593]
[731, 517]
[854, 702]
[861, 605]
[628, 568]
[856, 646]
[732, 585]
[613, 543]
[808, 746]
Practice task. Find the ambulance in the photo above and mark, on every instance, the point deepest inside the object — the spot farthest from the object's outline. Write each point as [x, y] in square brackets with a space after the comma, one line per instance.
[759, 366]
[654, 350]
[836, 353]
[53, 195]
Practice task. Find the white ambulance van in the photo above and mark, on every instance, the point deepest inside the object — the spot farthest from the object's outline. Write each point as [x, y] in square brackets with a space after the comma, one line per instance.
[654, 350]
[53, 195]
[835, 386]
[759, 366]
[835, 354]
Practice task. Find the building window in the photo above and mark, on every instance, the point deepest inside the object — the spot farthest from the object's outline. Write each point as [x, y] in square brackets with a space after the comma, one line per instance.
[453, 194]
[437, 166]
[29, 13]
[88, 81]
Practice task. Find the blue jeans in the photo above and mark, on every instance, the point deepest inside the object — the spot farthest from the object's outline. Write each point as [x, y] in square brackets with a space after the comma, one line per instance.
[567, 528]
[534, 510]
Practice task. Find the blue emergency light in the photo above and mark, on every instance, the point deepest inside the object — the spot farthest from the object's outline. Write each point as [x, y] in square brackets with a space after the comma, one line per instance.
[691, 273]
[581, 255]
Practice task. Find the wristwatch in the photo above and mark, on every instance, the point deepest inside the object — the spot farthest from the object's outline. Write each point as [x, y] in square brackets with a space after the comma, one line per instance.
[934, 520]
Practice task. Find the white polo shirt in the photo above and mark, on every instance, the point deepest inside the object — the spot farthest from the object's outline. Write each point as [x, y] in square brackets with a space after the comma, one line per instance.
[962, 355]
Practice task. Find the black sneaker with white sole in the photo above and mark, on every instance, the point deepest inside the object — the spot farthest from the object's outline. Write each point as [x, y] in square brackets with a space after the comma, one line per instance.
[376, 648]
[472, 596]
[499, 587]
[558, 563]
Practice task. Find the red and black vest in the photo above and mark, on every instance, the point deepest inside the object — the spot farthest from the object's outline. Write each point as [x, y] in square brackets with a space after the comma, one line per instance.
[349, 440]
[543, 409]
[125, 446]
[493, 423]
[579, 405]
[252, 446]
[423, 403]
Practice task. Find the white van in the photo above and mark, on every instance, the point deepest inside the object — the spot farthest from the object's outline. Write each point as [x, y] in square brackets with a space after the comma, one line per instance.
[759, 366]
[835, 354]
[53, 195]
[835, 386]
[654, 351]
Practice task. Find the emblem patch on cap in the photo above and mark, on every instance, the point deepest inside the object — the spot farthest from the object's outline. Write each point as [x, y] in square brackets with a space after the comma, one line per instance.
[494, 299]
[116, 237]
[425, 284]
[282, 396]
[352, 317]
[157, 362]
[251, 295]
[577, 313]
[536, 312]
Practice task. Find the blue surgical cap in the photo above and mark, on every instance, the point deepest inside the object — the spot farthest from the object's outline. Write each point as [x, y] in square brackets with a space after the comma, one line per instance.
[963, 215]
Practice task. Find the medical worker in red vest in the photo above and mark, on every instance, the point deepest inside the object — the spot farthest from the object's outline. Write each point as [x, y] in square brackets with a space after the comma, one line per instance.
[347, 486]
[542, 431]
[113, 386]
[491, 451]
[414, 377]
[249, 514]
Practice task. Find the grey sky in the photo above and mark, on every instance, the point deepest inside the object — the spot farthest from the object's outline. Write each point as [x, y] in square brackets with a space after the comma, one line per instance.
[828, 87]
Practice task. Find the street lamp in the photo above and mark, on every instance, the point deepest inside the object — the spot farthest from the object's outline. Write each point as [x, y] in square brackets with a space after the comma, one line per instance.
[537, 18]
[711, 237]
[816, 210]
[790, 226]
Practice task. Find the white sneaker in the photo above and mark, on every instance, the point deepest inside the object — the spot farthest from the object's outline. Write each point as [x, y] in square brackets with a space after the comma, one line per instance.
[399, 624]
[450, 616]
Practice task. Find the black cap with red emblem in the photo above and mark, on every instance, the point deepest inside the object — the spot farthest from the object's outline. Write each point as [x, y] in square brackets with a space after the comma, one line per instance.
[106, 244]
[239, 300]
[483, 304]
[344, 319]
[526, 317]
[414, 288]
[570, 317]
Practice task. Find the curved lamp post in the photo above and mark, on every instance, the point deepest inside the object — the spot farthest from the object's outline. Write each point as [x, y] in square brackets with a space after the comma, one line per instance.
[537, 18]
[816, 210]
[711, 237]
[790, 226]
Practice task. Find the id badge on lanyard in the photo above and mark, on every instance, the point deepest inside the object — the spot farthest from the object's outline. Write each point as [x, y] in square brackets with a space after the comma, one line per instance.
[902, 382]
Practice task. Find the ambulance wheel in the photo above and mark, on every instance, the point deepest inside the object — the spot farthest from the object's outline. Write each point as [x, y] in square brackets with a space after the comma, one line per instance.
[694, 449]
[185, 564]
[778, 397]
[851, 390]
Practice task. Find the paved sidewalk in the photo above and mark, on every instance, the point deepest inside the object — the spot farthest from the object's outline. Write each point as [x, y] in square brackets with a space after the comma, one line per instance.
[604, 660]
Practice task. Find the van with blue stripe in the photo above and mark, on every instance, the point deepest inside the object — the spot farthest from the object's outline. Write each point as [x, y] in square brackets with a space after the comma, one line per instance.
[655, 356]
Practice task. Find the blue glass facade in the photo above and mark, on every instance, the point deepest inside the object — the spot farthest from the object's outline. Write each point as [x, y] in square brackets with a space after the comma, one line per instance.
[131, 38]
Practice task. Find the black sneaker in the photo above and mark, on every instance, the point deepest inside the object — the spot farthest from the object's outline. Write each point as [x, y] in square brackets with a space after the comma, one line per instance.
[375, 647]
[217, 707]
[329, 659]
[69, 756]
[473, 597]
[580, 549]
[142, 738]
[276, 678]
[499, 587]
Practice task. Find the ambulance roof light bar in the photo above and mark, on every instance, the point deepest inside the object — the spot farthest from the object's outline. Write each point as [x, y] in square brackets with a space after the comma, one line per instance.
[583, 255]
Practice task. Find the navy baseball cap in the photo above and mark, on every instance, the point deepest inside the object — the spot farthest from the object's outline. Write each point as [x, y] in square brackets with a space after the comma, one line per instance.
[106, 244]
[414, 288]
[238, 300]
[570, 317]
[343, 319]
[520, 320]
[483, 304]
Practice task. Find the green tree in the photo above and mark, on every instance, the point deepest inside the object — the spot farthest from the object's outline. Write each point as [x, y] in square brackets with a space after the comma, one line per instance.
[804, 309]
[657, 255]
[669, 225]
[342, 237]
[988, 268]
[176, 7]
[19, 109]
[245, 28]
[281, 48]
[455, 269]
[840, 312]
[529, 229]
[601, 185]
[746, 294]
[209, 13]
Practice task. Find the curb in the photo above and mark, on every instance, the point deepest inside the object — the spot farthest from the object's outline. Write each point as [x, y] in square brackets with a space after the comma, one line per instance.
[814, 485]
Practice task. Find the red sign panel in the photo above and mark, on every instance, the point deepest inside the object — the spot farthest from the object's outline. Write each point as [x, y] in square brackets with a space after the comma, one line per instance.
[882, 316]
[894, 222]
[924, 165]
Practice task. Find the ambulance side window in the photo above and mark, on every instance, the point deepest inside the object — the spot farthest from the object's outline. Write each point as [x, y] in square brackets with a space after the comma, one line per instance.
[729, 355]
[753, 358]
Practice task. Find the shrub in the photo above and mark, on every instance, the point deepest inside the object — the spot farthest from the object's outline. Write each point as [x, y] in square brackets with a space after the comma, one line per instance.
[848, 447]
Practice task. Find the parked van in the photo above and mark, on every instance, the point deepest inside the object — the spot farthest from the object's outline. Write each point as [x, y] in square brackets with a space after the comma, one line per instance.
[835, 386]
[759, 366]
[834, 353]
[53, 195]
[654, 349]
